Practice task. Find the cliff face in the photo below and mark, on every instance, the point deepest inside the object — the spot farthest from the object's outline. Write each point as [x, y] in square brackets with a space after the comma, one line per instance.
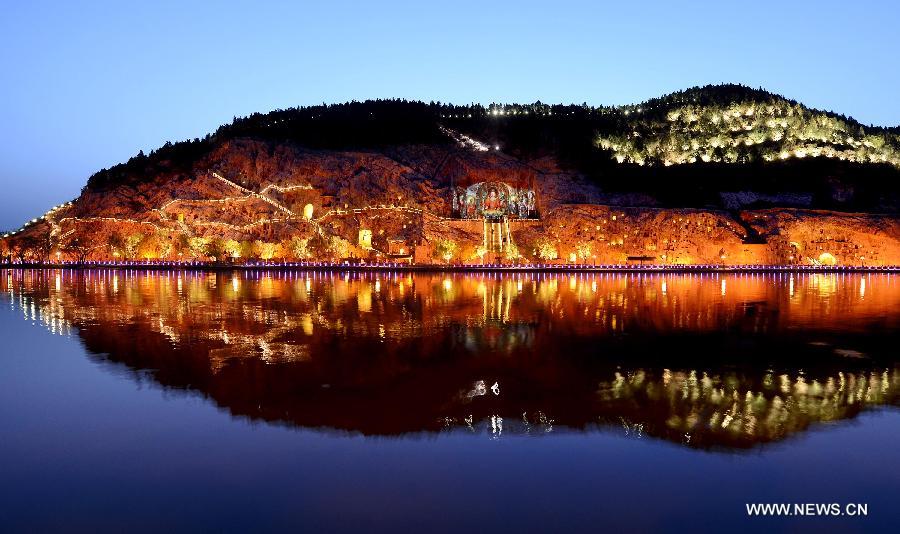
[253, 198]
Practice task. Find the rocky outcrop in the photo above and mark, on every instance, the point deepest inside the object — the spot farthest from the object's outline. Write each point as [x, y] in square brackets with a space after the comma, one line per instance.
[374, 203]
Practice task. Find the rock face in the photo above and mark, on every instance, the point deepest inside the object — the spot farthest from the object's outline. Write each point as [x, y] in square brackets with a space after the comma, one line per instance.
[251, 198]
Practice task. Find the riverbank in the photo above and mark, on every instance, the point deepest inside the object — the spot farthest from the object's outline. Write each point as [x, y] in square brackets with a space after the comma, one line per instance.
[389, 266]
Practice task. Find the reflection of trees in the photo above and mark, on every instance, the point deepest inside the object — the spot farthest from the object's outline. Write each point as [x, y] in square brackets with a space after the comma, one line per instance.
[741, 408]
[688, 359]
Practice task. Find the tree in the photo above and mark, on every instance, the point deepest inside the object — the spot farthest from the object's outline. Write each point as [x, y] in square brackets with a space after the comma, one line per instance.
[165, 247]
[215, 248]
[247, 250]
[28, 247]
[444, 249]
[17, 250]
[480, 252]
[512, 252]
[132, 245]
[116, 244]
[198, 246]
[149, 247]
[43, 245]
[78, 247]
[232, 248]
[583, 250]
[340, 247]
[263, 249]
[181, 245]
[544, 249]
[298, 247]
[319, 247]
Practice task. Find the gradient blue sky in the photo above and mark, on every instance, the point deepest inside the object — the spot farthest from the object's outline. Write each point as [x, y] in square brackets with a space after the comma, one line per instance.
[86, 85]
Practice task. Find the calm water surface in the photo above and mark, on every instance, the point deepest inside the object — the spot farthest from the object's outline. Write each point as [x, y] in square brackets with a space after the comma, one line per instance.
[136, 401]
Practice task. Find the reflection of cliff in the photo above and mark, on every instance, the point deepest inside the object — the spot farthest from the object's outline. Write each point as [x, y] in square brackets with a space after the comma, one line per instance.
[702, 360]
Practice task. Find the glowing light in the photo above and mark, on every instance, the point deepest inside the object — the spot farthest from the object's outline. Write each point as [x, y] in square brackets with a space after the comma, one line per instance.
[826, 258]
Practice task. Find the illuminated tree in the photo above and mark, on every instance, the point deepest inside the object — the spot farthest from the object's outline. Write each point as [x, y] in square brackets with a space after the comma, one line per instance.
[43, 245]
[181, 245]
[165, 247]
[19, 250]
[132, 245]
[215, 248]
[298, 247]
[263, 249]
[77, 247]
[340, 248]
[246, 250]
[149, 247]
[545, 249]
[198, 246]
[511, 253]
[480, 252]
[116, 244]
[444, 249]
[283, 250]
[232, 248]
[583, 251]
[31, 247]
[319, 247]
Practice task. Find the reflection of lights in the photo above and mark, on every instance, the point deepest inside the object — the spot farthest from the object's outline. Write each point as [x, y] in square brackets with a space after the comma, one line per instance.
[496, 426]
[862, 287]
[448, 284]
[723, 287]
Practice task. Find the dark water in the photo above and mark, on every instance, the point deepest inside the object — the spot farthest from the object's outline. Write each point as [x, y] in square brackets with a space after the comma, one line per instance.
[309, 401]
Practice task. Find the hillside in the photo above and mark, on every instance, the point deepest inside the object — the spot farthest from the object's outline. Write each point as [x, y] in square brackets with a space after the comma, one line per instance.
[310, 182]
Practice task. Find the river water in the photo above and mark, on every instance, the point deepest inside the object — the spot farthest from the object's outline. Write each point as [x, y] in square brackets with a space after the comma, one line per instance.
[259, 401]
